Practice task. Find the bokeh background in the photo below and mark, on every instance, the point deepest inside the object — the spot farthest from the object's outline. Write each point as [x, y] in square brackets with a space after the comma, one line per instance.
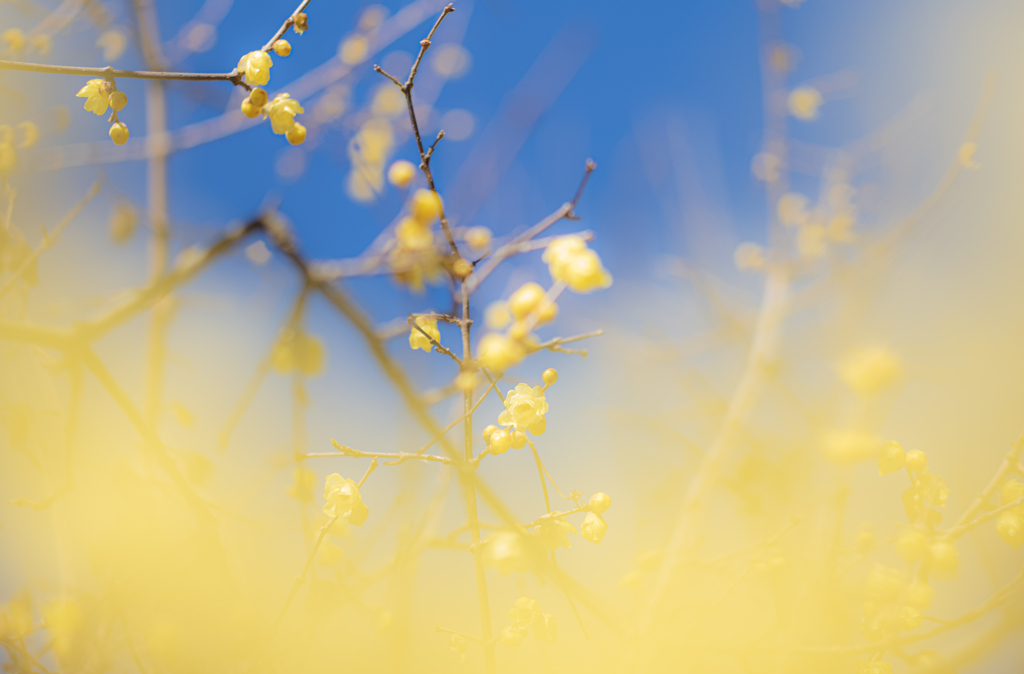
[668, 99]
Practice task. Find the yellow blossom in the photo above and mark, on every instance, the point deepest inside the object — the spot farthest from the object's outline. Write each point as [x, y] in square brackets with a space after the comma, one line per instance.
[791, 209]
[413, 235]
[282, 48]
[113, 43]
[255, 66]
[525, 408]
[401, 173]
[119, 133]
[499, 352]
[525, 299]
[417, 340]
[497, 315]
[478, 238]
[95, 92]
[14, 38]
[341, 495]
[353, 50]
[594, 528]
[570, 261]
[851, 446]
[560, 252]
[804, 103]
[870, 371]
[425, 206]
[281, 112]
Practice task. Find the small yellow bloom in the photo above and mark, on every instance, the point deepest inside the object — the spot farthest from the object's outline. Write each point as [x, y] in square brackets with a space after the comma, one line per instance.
[525, 299]
[256, 67]
[478, 238]
[282, 48]
[95, 93]
[401, 173]
[804, 103]
[342, 496]
[497, 315]
[119, 133]
[412, 235]
[870, 371]
[281, 112]
[525, 408]
[570, 261]
[425, 206]
[498, 352]
[851, 446]
[297, 134]
[791, 209]
[118, 100]
[417, 340]
[594, 528]
[353, 50]
[113, 43]
[14, 38]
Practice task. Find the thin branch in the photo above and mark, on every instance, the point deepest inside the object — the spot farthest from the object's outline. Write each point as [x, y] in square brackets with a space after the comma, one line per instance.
[50, 239]
[398, 457]
[564, 211]
[110, 73]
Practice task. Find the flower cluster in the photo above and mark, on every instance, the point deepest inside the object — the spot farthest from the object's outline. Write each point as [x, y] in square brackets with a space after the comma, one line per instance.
[101, 94]
[524, 614]
[419, 340]
[281, 110]
[414, 258]
[344, 501]
[572, 265]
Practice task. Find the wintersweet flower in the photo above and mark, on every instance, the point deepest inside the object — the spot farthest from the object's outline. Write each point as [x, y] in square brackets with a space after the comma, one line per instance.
[561, 252]
[804, 103]
[281, 112]
[417, 340]
[95, 92]
[594, 528]
[14, 38]
[585, 273]
[570, 261]
[341, 494]
[256, 67]
[525, 407]
[500, 352]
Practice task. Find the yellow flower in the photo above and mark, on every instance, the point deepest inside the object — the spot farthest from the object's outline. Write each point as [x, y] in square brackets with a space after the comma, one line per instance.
[119, 133]
[281, 112]
[256, 67]
[585, 273]
[570, 261]
[417, 340]
[851, 446]
[401, 173]
[95, 93]
[297, 134]
[299, 351]
[560, 252]
[505, 552]
[14, 38]
[791, 209]
[555, 534]
[354, 50]
[413, 235]
[524, 300]
[499, 352]
[525, 408]
[478, 238]
[341, 494]
[804, 103]
[594, 528]
[425, 206]
[497, 315]
[870, 371]
[282, 48]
